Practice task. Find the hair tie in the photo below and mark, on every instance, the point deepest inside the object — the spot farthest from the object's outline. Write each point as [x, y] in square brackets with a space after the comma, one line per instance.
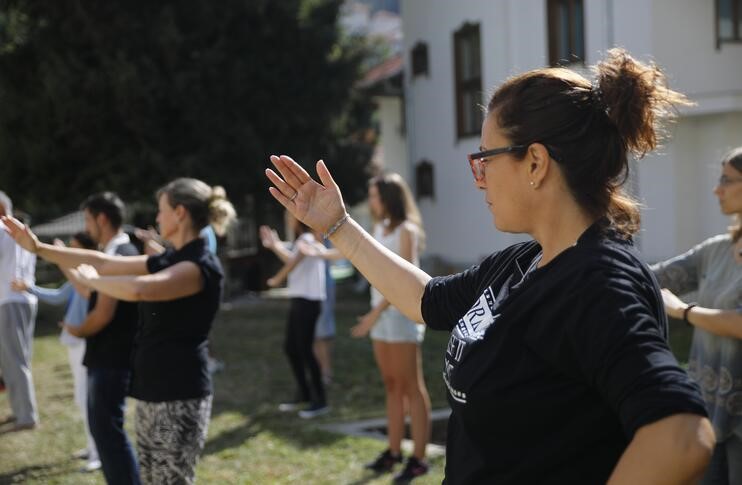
[597, 99]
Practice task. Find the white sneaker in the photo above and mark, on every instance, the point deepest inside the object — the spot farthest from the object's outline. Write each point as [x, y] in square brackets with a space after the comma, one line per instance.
[91, 466]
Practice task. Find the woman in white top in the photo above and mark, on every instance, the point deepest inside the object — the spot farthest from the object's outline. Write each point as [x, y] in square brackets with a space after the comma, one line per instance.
[396, 339]
[306, 287]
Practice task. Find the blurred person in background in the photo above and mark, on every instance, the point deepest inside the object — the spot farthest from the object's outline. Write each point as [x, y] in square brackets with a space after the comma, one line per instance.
[306, 287]
[17, 322]
[75, 299]
[713, 269]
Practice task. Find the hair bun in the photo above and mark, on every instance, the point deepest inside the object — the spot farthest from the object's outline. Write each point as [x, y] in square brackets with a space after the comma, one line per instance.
[636, 98]
[218, 193]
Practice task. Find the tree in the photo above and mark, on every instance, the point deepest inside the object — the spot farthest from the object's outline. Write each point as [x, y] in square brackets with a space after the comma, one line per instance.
[125, 96]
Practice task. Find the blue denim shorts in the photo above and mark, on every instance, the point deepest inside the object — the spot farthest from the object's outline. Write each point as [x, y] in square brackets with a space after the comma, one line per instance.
[394, 327]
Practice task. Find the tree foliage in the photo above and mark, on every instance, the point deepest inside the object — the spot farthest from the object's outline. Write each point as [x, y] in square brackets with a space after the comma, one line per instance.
[125, 96]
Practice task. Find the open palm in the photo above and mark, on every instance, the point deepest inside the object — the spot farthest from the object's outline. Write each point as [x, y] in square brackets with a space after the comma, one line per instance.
[319, 205]
[21, 233]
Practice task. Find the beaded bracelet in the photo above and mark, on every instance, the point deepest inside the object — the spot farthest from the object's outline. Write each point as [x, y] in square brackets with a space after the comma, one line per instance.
[336, 226]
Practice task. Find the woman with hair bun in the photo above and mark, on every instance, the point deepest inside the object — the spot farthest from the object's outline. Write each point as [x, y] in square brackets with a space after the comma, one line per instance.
[558, 368]
[179, 292]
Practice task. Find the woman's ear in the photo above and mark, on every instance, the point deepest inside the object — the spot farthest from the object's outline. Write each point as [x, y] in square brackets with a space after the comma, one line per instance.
[538, 164]
[180, 212]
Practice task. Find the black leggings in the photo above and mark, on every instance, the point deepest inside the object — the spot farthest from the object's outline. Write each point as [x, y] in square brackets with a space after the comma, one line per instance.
[303, 316]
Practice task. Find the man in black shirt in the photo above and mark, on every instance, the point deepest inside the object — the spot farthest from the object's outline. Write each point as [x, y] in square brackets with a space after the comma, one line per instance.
[109, 333]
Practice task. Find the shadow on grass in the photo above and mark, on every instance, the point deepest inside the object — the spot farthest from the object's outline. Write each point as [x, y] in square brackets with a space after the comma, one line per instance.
[35, 472]
[231, 438]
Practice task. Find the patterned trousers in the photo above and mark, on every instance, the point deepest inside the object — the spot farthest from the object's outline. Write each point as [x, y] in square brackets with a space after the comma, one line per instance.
[170, 438]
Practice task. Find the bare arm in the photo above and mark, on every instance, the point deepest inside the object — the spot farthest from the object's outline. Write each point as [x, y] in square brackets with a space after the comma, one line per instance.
[100, 316]
[83, 290]
[72, 257]
[178, 281]
[317, 249]
[151, 241]
[674, 450]
[726, 323]
[270, 240]
[320, 206]
[283, 273]
[408, 251]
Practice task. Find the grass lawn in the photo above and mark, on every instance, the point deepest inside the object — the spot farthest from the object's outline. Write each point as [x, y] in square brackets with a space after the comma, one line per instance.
[249, 441]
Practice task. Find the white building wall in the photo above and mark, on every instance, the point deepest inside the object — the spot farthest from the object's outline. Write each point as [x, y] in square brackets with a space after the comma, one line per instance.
[674, 184]
[457, 221]
[392, 149]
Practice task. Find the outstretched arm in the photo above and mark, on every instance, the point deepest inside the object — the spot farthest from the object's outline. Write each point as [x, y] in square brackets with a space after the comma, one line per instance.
[270, 240]
[318, 250]
[71, 257]
[98, 318]
[283, 273]
[727, 323]
[320, 206]
[178, 281]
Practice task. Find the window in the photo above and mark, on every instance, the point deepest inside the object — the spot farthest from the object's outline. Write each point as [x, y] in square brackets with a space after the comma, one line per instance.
[728, 21]
[420, 60]
[424, 183]
[466, 49]
[566, 32]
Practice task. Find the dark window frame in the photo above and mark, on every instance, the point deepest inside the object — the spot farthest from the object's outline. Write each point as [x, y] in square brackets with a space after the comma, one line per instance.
[736, 18]
[425, 179]
[419, 60]
[463, 87]
[554, 29]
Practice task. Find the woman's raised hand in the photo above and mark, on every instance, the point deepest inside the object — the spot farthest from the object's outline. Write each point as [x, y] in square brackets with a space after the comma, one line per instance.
[21, 234]
[319, 205]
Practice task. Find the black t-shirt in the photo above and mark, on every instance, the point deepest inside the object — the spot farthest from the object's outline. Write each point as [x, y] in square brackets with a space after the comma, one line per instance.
[551, 374]
[170, 351]
[111, 347]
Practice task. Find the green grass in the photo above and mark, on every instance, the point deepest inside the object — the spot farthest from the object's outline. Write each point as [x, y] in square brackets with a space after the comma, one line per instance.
[249, 441]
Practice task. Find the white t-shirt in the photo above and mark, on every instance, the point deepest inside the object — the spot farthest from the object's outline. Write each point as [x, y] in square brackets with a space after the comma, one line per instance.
[307, 279]
[15, 263]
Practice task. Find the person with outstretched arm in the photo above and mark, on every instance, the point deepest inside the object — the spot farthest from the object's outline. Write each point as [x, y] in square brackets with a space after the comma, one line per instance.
[558, 368]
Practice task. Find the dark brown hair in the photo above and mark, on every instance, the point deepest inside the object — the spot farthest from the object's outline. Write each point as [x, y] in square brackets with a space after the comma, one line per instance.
[734, 158]
[399, 205]
[107, 203]
[591, 128]
[84, 240]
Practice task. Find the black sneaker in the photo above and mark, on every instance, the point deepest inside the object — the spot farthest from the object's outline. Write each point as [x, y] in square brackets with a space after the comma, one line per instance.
[384, 462]
[413, 469]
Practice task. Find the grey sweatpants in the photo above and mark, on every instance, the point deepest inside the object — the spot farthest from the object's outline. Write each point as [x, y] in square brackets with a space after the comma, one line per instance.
[17, 321]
